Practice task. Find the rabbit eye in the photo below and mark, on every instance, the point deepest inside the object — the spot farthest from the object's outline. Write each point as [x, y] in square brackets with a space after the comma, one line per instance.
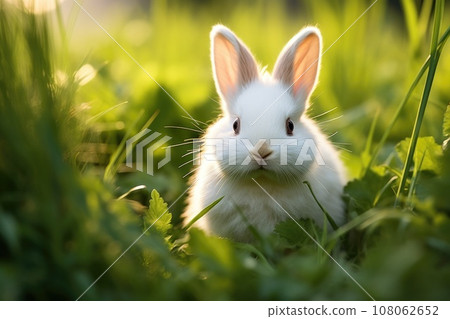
[289, 126]
[236, 126]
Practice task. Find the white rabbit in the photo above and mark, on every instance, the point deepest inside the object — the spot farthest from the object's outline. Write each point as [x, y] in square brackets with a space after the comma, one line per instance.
[264, 137]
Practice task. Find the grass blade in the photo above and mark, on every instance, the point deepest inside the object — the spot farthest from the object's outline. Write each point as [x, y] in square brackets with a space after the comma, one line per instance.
[327, 215]
[434, 58]
[369, 142]
[411, 17]
[120, 154]
[405, 100]
[202, 213]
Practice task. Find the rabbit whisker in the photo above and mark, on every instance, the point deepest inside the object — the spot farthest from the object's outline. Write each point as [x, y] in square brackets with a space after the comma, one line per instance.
[191, 171]
[342, 143]
[184, 128]
[315, 98]
[198, 127]
[330, 136]
[196, 121]
[330, 120]
[175, 145]
[342, 148]
[214, 100]
[190, 161]
[190, 153]
[324, 113]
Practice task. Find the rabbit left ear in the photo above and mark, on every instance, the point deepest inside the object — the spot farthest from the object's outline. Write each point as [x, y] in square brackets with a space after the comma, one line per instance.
[297, 65]
[233, 64]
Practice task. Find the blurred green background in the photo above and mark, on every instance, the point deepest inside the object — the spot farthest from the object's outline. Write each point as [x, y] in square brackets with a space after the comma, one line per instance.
[70, 97]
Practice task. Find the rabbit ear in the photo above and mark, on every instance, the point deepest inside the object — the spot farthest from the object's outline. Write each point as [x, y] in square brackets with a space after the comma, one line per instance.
[233, 64]
[298, 63]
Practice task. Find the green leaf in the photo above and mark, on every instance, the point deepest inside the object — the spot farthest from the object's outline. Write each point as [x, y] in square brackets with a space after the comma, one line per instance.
[364, 192]
[215, 253]
[290, 231]
[158, 214]
[426, 148]
[437, 187]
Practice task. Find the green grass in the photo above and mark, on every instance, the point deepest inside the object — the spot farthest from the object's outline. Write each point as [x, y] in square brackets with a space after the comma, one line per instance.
[69, 206]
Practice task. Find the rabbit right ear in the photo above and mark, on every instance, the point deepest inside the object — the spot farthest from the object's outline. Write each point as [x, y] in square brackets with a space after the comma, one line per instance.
[233, 64]
[298, 63]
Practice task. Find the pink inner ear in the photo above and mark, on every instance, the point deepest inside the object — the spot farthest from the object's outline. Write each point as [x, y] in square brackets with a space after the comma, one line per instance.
[226, 64]
[305, 65]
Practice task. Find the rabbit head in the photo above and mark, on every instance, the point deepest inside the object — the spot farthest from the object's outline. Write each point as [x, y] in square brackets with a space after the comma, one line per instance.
[262, 128]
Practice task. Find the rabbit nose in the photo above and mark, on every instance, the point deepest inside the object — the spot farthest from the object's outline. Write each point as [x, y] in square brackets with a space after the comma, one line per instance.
[264, 151]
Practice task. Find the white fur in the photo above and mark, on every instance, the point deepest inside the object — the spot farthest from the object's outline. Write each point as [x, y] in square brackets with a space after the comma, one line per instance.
[249, 99]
